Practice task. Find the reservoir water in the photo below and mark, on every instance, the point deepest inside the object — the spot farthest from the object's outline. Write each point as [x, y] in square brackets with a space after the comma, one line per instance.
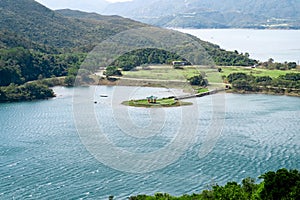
[42, 156]
[281, 45]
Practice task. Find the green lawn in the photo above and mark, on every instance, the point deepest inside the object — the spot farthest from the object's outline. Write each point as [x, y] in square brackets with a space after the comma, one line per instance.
[202, 90]
[167, 72]
[164, 102]
[256, 71]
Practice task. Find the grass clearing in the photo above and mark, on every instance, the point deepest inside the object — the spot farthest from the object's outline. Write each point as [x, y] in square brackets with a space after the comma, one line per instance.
[202, 90]
[164, 102]
[167, 72]
[256, 71]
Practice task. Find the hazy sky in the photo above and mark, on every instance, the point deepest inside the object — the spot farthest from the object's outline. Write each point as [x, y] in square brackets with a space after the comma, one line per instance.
[117, 0]
[85, 5]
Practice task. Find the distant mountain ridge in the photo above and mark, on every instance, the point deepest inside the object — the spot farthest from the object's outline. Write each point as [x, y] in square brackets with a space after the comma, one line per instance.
[212, 13]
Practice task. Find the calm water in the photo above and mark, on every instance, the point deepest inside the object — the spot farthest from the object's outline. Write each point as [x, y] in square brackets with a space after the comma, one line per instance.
[281, 45]
[42, 156]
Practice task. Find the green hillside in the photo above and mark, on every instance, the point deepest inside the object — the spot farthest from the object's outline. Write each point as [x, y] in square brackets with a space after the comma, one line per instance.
[39, 24]
[38, 43]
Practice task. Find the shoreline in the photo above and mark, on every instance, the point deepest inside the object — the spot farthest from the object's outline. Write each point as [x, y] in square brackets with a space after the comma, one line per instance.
[149, 83]
[146, 83]
[265, 93]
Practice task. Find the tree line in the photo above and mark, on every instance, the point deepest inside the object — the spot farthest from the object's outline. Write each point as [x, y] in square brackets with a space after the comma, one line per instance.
[18, 66]
[28, 91]
[135, 58]
[280, 185]
[287, 83]
[270, 64]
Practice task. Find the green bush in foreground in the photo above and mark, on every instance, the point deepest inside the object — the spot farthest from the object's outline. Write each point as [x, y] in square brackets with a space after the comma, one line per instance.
[281, 185]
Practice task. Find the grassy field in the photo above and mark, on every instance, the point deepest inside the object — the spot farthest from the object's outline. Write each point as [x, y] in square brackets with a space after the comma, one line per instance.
[256, 71]
[202, 90]
[167, 72]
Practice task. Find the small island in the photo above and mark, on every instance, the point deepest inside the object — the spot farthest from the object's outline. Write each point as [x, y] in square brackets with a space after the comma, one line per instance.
[154, 102]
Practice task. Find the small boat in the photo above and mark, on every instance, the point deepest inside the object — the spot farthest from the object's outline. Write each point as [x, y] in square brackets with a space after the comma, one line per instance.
[103, 95]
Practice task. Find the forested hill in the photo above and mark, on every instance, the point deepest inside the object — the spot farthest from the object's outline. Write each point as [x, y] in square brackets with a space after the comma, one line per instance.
[212, 13]
[39, 24]
[37, 43]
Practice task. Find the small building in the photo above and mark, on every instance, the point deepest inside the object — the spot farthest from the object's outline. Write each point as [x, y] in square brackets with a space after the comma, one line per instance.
[179, 63]
[152, 99]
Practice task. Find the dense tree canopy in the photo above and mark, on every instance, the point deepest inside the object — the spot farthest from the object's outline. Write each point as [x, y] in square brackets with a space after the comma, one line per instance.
[28, 91]
[198, 80]
[280, 185]
[19, 65]
[283, 84]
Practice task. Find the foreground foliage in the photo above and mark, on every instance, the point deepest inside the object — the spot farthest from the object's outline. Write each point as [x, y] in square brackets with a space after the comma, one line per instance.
[280, 185]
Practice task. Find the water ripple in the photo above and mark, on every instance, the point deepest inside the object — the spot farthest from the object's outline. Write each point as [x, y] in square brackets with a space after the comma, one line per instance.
[41, 156]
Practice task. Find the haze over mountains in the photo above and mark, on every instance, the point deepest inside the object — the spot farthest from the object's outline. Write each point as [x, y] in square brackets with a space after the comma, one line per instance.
[212, 13]
[83, 5]
[196, 13]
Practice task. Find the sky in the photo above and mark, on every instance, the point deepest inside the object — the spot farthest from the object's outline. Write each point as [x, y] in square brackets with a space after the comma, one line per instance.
[113, 1]
[84, 5]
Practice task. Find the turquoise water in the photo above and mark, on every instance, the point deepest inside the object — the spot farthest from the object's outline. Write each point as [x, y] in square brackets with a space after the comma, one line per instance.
[42, 156]
[281, 45]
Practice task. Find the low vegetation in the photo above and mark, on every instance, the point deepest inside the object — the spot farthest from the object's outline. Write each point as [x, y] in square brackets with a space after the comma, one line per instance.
[280, 185]
[258, 71]
[283, 84]
[198, 80]
[164, 102]
[28, 91]
[270, 64]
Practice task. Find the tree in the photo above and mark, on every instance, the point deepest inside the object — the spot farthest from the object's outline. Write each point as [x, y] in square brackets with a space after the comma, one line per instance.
[2, 95]
[69, 80]
[237, 76]
[271, 60]
[112, 71]
[249, 186]
[242, 84]
[37, 91]
[198, 80]
[10, 75]
[266, 79]
[282, 184]
[292, 65]
[231, 190]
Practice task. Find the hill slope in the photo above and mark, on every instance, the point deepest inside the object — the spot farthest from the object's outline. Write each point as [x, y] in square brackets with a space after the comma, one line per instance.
[212, 13]
[39, 24]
